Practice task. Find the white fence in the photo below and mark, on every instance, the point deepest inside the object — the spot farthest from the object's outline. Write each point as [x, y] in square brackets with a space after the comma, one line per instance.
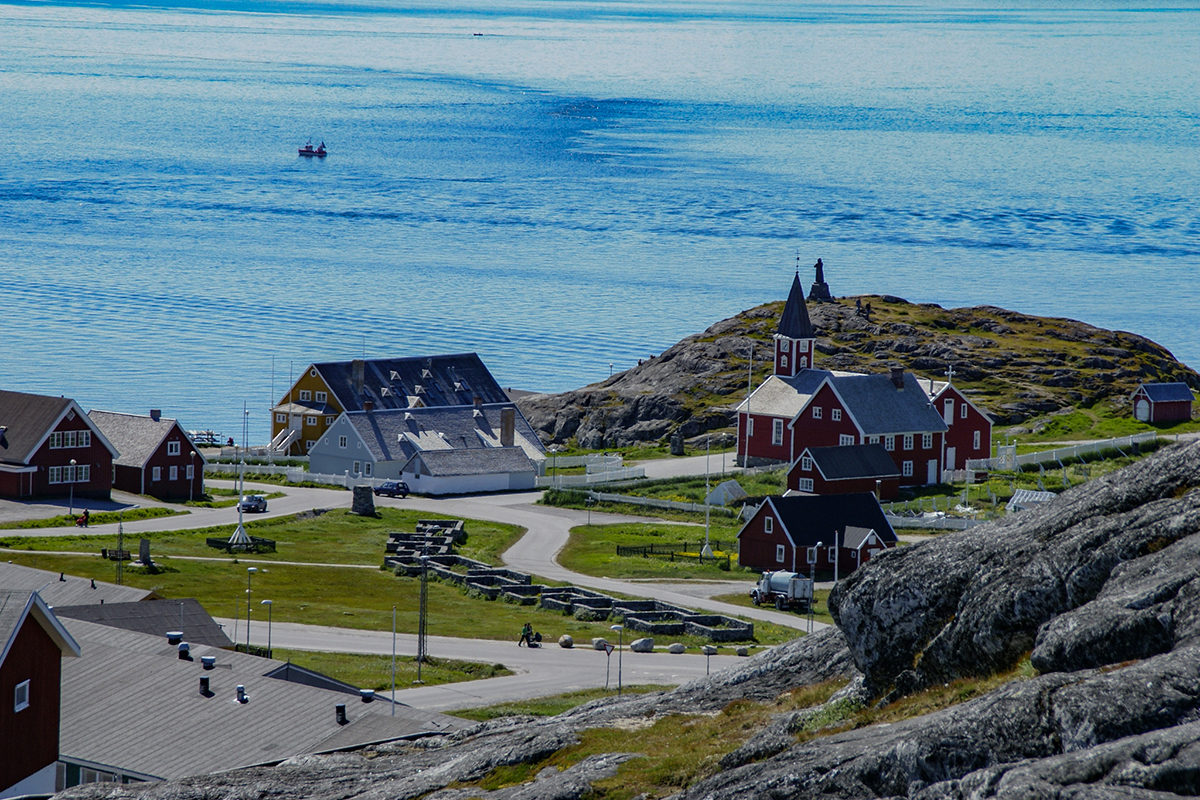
[590, 478]
[591, 462]
[934, 522]
[1011, 461]
[654, 502]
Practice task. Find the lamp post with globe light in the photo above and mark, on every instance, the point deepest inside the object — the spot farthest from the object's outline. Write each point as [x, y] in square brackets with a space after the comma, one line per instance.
[249, 573]
[269, 604]
[71, 483]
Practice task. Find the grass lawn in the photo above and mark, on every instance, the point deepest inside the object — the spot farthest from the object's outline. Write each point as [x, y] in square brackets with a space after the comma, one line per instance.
[820, 606]
[592, 550]
[375, 672]
[94, 518]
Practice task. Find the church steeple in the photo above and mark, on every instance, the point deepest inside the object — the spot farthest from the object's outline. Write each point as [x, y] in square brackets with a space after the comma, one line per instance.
[795, 339]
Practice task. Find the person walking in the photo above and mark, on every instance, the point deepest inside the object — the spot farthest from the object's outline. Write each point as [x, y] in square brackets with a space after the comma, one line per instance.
[526, 635]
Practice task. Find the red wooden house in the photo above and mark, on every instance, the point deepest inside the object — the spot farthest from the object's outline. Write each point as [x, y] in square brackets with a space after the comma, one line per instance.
[49, 448]
[844, 470]
[32, 644]
[969, 428]
[157, 457]
[838, 532]
[1162, 402]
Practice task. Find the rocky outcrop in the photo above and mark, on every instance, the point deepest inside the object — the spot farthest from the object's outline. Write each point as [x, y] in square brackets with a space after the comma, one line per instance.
[1013, 365]
[1099, 588]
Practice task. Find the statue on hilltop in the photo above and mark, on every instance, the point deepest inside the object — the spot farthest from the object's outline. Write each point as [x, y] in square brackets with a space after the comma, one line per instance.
[819, 291]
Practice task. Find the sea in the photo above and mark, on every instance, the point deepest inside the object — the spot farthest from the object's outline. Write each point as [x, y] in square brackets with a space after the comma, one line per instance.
[566, 186]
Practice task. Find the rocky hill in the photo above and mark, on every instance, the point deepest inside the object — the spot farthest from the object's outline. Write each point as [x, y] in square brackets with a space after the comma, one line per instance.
[1015, 366]
[1096, 594]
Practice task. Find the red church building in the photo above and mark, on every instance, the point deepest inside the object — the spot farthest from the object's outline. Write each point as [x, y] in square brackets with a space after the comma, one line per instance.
[800, 406]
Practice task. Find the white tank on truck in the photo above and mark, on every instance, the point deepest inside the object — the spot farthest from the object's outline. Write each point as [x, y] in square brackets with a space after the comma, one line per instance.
[785, 590]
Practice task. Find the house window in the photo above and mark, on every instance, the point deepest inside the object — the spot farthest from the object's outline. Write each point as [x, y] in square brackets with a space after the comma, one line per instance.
[768, 524]
[803, 362]
[83, 473]
[889, 443]
[156, 474]
[342, 442]
[322, 397]
[281, 417]
[806, 463]
[783, 362]
[816, 412]
[873, 440]
[780, 553]
[21, 696]
[329, 420]
[805, 485]
[845, 439]
[832, 555]
[357, 467]
[836, 415]
[962, 411]
[191, 472]
[308, 444]
[908, 441]
[926, 440]
[173, 473]
[85, 438]
[56, 475]
[906, 469]
[172, 448]
[777, 431]
[785, 345]
[975, 440]
[310, 420]
[56, 440]
[305, 394]
[749, 426]
[367, 468]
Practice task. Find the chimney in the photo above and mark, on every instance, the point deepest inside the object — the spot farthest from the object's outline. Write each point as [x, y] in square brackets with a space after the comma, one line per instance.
[204, 690]
[155, 414]
[368, 405]
[898, 377]
[340, 711]
[508, 420]
[208, 661]
[358, 369]
[174, 637]
[241, 694]
[367, 695]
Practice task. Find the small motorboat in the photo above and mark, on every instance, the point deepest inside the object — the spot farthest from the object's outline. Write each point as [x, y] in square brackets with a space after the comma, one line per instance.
[313, 152]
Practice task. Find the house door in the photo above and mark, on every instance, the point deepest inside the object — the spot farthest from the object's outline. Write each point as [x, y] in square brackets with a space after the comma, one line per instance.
[949, 458]
[931, 471]
[1141, 410]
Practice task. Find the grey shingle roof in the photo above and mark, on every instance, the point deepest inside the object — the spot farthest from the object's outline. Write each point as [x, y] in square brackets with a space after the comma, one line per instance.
[27, 418]
[71, 590]
[136, 436]
[442, 380]
[154, 617]
[853, 461]
[18, 605]
[477, 461]
[398, 435]
[784, 397]
[1168, 392]
[131, 703]
[880, 408]
[794, 322]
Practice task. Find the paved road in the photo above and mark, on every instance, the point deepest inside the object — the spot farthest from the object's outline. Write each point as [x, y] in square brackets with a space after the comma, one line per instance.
[542, 671]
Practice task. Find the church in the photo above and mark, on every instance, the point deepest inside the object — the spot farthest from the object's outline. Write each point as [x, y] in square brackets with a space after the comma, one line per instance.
[926, 427]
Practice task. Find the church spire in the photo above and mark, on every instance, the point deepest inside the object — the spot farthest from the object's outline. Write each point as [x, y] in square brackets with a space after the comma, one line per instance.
[795, 339]
[794, 323]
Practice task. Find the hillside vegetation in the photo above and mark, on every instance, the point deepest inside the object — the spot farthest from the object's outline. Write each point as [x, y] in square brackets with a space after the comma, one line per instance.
[1015, 366]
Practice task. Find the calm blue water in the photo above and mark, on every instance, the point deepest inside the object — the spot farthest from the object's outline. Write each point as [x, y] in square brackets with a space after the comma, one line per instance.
[581, 185]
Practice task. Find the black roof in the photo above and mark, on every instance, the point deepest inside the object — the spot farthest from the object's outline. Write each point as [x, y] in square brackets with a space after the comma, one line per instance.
[853, 461]
[443, 380]
[794, 322]
[156, 617]
[1168, 392]
[807, 519]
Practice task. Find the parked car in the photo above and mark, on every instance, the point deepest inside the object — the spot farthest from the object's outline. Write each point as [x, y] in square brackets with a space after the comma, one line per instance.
[253, 502]
[392, 489]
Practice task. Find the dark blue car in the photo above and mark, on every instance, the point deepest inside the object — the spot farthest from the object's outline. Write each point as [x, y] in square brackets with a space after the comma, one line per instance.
[392, 489]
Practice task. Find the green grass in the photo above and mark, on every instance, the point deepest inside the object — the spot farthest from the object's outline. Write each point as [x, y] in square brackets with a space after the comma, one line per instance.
[549, 706]
[820, 605]
[592, 550]
[691, 489]
[1100, 421]
[94, 518]
[375, 671]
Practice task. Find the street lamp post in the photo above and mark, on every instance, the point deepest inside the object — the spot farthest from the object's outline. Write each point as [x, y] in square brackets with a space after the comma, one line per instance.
[269, 606]
[249, 573]
[706, 552]
[71, 483]
[812, 577]
[192, 477]
[620, 629]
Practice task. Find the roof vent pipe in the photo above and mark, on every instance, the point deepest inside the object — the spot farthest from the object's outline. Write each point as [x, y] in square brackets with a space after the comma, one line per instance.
[367, 695]
[174, 637]
[241, 694]
[340, 711]
[184, 652]
[204, 690]
[208, 661]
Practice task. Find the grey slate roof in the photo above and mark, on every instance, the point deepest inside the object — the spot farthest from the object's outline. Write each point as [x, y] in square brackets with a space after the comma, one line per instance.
[154, 617]
[17, 605]
[785, 397]
[27, 418]
[853, 461]
[131, 703]
[476, 461]
[398, 435]
[794, 322]
[442, 380]
[855, 536]
[808, 519]
[1168, 392]
[136, 436]
[71, 590]
[880, 408]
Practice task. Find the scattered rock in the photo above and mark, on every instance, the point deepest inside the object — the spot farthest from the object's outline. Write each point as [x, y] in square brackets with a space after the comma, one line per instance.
[566, 641]
[676, 648]
[599, 643]
[643, 645]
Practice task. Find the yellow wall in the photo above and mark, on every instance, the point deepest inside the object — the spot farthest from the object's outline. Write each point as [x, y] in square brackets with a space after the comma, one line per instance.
[313, 383]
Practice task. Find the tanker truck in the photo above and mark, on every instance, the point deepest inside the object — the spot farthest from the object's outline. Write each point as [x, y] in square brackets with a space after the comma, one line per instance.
[787, 590]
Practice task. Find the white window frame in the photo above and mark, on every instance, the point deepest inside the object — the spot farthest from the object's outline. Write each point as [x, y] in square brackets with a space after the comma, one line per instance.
[342, 442]
[321, 397]
[21, 696]
[889, 443]
[749, 426]
[281, 417]
[312, 421]
[768, 524]
[83, 473]
[845, 439]
[906, 469]
[976, 439]
[173, 448]
[783, 362]
[155, 474]
[926, 440]
[805, 485]
[305, 394]
[172, 473]
[785, 345]
[806, 463]
[776, 431]
[962, 410]
[908, 441]
[803, 362]
[836, 415]
[55, 475]
[191, 472]
[872, 440]
[780, 553]
[85, 439]
[948, 411]
[831, 554]
[308, 444]
[816, 412]
[56, 439]
[329, 420]
[367, 468]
